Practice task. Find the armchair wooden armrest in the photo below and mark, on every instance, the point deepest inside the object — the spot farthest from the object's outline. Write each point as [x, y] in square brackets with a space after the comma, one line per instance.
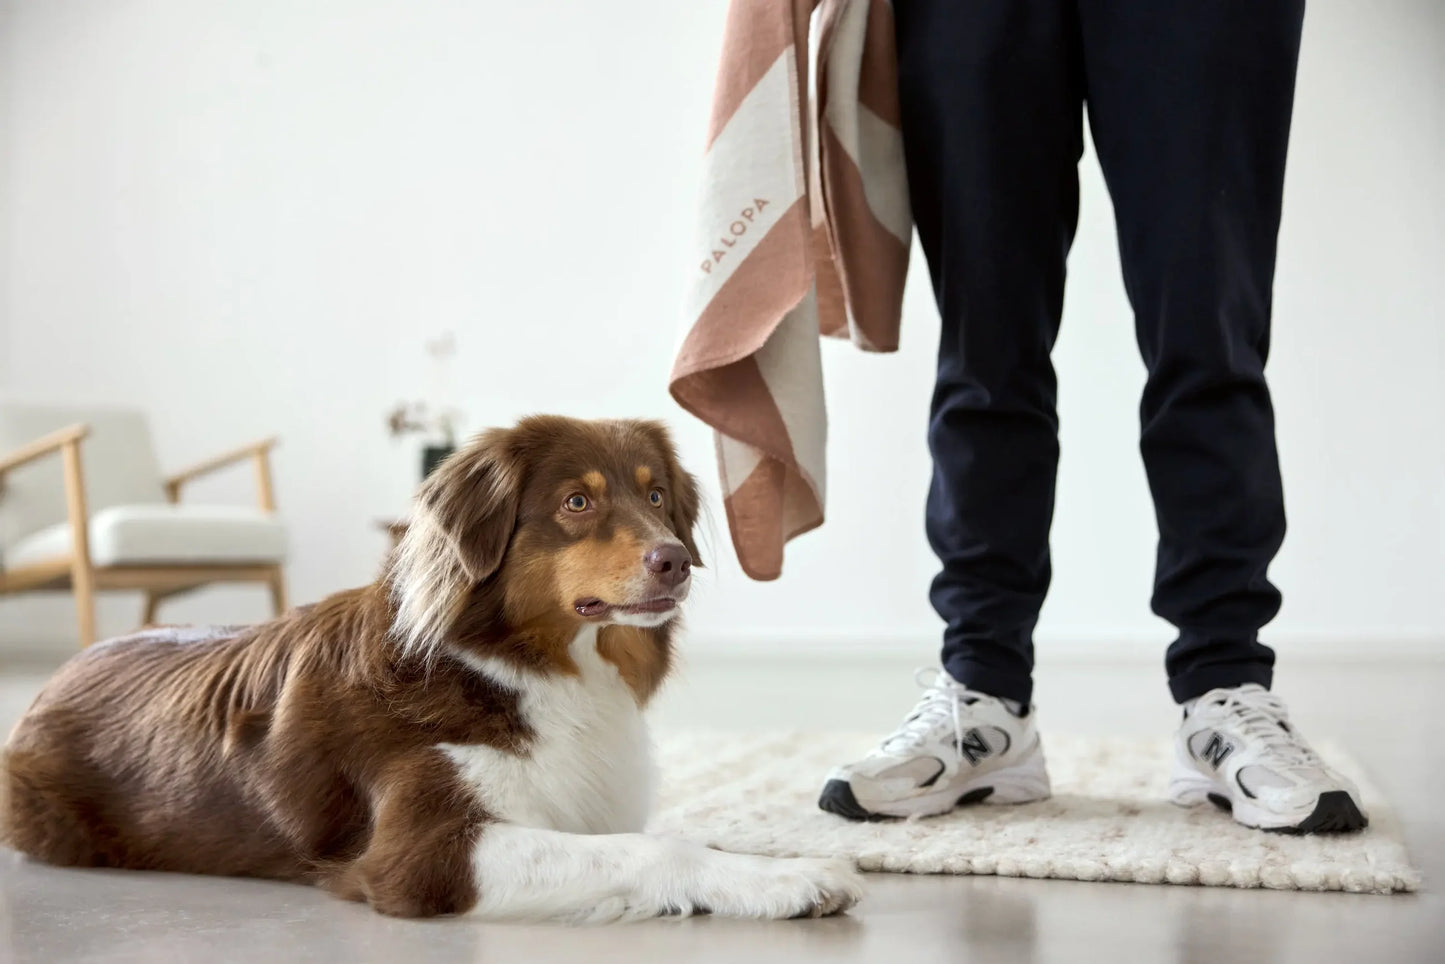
[53, 442]
[258, 452]
[66, 441]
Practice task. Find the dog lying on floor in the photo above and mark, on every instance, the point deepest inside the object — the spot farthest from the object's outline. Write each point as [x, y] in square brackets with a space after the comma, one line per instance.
[464, 735]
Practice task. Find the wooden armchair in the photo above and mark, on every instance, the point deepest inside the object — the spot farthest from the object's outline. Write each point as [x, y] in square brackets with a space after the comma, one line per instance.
[110, 520]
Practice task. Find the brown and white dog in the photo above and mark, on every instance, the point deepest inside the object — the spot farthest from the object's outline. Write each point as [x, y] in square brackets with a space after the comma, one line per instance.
[463, 735]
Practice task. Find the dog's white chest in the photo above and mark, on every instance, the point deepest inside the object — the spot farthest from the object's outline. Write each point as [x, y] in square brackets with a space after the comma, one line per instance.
[589, 768]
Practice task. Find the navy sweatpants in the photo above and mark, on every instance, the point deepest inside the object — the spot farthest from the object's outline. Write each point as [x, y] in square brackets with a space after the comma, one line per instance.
[1189, 104]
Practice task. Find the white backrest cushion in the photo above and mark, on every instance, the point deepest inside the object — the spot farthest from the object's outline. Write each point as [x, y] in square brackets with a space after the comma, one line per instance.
[117, 459]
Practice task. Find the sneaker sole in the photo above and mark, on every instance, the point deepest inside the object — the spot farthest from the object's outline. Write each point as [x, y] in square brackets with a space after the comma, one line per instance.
[1024, 782]
[837, 797]
[1334, 810]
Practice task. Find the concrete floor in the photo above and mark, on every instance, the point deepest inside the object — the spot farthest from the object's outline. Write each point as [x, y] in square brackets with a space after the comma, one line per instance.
[1387, 716]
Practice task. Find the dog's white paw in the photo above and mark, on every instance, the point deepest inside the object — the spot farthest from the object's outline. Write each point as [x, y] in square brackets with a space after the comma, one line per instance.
[766, 887]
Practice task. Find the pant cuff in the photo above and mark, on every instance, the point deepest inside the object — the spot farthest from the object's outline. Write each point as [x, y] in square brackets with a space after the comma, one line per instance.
[987, 679]
[1195, 683]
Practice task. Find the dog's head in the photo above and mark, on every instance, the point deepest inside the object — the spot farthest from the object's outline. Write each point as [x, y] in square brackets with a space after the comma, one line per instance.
[568, 520]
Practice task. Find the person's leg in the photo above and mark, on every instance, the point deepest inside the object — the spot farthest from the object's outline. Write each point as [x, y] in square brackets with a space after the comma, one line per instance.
[992, 126]
[992, 105]
[1189, 104]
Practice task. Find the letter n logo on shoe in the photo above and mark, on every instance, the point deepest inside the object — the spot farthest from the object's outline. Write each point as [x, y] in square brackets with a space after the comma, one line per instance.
[1216, 750]
[974, 747]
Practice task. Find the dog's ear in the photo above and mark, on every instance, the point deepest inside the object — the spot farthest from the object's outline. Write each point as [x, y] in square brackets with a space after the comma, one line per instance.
[462, 520]
[685, 499]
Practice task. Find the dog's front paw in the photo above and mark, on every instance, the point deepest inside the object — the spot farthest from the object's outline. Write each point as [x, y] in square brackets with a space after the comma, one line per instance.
[764, 887]
[838, 883]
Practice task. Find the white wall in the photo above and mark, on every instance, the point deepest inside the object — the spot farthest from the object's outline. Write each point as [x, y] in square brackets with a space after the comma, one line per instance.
[247, 218]
[6, 57]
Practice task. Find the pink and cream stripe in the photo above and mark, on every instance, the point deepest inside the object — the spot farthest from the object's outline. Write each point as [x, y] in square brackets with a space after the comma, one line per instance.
[805, 232]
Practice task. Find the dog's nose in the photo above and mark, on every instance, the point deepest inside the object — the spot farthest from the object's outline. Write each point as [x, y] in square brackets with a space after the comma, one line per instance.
[670, 564]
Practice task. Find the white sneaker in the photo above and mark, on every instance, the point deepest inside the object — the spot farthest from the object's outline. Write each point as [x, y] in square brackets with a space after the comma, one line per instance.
[1237, 750]
[956, 747]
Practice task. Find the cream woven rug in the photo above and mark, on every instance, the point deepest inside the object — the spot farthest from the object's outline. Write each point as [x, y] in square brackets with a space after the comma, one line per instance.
[1108, 819]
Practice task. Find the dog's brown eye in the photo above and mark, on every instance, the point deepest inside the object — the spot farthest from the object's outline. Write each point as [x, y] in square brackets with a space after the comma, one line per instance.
[577, 503]
[655, 497]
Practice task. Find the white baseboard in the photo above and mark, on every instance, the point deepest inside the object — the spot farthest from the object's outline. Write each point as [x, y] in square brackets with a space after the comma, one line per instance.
[922, 647]
[40, 628]
[914, 647]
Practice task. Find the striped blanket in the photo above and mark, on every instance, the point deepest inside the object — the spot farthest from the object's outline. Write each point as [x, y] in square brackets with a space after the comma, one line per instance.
[805, 233]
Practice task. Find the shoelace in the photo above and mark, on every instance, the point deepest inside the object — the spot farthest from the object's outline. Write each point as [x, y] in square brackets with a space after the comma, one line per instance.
[939, 704]
[1260, 715]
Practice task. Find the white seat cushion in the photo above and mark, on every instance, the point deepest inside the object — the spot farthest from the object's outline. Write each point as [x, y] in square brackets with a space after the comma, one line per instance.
[146, 535]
